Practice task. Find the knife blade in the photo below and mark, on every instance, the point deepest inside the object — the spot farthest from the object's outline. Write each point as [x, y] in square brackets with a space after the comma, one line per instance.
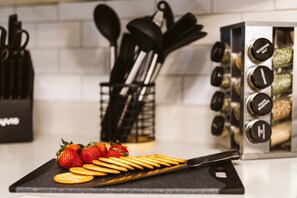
[212, 159]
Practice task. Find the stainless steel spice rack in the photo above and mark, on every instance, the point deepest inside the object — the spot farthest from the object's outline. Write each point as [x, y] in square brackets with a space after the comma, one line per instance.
[257, 96]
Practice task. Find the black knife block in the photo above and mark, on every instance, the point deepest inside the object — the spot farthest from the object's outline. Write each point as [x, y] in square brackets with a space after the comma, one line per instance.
[129, 118]
[16, 121]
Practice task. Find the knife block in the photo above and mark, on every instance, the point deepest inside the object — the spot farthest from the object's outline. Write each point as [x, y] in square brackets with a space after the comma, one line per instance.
[129, 118]
[256, 97]
[16, 124]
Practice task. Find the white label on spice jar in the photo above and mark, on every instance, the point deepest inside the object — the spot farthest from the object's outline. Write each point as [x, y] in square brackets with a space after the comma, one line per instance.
[263, 76]
[262, 104]
[263, 49]
[261, 131]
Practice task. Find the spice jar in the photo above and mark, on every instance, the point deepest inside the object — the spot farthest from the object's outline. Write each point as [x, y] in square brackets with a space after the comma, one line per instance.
[260, 77]
[220, 102]
[281, 109]
[258, 131]
[220, 78]
[236, 112]
[282, 57]
[259, 104]
[237, 86]
[260, 50]
[282, 83]
[220, 52]
[219, 126]
[237, 61]
[281, 133]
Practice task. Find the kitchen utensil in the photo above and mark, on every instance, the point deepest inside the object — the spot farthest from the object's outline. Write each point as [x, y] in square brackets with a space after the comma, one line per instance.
[191, 163]
[108, 23]
[168, 14]
[183, 24]
[219, 178]
[12, 19]
[3, 57]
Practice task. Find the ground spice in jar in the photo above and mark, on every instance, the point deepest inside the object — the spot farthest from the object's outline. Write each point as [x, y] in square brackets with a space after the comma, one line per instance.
[281, 109]
[281, 133]
[282, 83]
[282, 57]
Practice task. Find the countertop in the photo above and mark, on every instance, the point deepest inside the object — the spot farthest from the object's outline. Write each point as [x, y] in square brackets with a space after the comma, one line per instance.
[272, 178]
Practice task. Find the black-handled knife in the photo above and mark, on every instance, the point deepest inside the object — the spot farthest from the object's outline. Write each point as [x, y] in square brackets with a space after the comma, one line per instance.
[213, 159]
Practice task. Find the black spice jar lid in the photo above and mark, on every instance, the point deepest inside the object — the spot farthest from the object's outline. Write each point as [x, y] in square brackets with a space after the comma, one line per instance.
[260, 77]
[217, 126]
[217, 52]
[217, 101]
[260, 104]
[217, 76]
[258, 131]
[262, 49]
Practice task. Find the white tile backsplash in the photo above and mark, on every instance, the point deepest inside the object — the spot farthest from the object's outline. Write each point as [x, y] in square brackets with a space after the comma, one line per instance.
[67, 47]
[64, 34]
[37, 13]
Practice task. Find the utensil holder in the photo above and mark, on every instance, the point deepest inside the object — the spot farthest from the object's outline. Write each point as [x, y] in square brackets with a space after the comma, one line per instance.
[129, 118]
[258, 63]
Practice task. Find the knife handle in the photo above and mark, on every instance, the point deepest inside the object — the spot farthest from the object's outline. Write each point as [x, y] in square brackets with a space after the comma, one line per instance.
[214, 158]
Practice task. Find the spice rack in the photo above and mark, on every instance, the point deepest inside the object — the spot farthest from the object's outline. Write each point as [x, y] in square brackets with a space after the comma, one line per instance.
[257, 93]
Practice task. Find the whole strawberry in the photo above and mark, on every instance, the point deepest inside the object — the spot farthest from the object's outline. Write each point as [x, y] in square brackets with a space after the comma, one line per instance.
[66, 144]
[102, 148]
[119, 148]
[113, 153]
[68, 158]
[89, 153]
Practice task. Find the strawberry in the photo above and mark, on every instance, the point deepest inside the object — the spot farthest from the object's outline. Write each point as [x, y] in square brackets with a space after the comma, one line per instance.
[68, 158]
[66, 144]
[120, 148]
[113, 153]
[102, 148]
[89, 153]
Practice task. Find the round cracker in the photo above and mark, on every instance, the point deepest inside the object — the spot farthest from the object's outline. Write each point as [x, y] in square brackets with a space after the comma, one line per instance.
[84, 171]
[119, 163]
[166, 160]
[145, 160]
[134, 160]
[72, 178]
[171, 158]
[127, 162]
[100, 169]
[156, 161]
[112, 166]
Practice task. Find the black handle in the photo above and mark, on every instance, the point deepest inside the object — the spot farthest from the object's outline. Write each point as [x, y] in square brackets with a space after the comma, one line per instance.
[213, 159]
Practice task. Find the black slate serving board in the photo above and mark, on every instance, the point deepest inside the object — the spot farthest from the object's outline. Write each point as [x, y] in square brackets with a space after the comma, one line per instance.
[203, 180]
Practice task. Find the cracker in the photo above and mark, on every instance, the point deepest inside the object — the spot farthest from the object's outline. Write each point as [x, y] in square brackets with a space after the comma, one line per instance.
[127, 162]
[100, 169]
[72, 178]
[166, 160]
[134, 160]
[171, 158]
[119, 163]
[156, 161]
[145, 160]
[112, 166]
[84, 171]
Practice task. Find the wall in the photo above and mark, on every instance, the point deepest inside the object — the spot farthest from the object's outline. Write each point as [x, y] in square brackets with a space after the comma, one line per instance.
[71, 59]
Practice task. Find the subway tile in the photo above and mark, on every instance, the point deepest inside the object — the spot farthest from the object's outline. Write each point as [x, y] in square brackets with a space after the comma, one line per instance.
[91, 37]
[189, 60]
[197, 90]
[213, 23]
[168, 90]
[242, 5]
[91, 87]
[181, 122]
[4, 14]
[283, 16]
[285, 4]
[57, 88]
[58, 34]
[37, 13]
[84, 61]
[45, 60]
[124, 8]
[194, 6]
